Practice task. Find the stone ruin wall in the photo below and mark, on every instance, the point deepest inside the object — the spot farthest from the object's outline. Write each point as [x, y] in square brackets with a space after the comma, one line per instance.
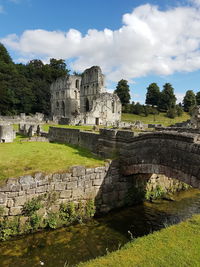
[105, 185]
[7, 134]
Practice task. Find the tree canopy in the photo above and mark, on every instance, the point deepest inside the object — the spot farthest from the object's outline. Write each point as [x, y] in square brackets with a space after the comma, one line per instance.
[189, 100]
[123, 92]
[167, 98]
[26, 88]
[153, 94]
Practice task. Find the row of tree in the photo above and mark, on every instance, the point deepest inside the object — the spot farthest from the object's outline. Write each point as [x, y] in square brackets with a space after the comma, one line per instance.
[156, 100]
[26, 88]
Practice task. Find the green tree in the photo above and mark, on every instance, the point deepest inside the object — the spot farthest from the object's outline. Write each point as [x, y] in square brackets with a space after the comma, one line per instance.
[167, 98]
[153, 94]
[123, 92]
[189, 100]
[179, 110]
[198, 98]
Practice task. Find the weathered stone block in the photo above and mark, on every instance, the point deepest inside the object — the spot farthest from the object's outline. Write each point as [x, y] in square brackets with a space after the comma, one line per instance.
[89, 171]
[30, 191]
[39, 176]
[66, 194]
[77, 193]
[72, 185]
[10, 203]
[66, 176]
[19, 201]
[15, 211]
[3, 198]
[78, 170]
[93, 176]
[12, 194]
[60, 186]
[97, 182]
[26, 180]
[15, 188]
[41, 189]
[56, 177]
[88, 184]
[99, 169]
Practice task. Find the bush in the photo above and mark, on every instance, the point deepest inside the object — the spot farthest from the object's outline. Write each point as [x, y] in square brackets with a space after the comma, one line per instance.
[171, 113]
[31, 206]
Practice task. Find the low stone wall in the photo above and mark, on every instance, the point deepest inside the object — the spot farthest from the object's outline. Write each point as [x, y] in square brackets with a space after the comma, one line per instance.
[74, 137]
[105, 185]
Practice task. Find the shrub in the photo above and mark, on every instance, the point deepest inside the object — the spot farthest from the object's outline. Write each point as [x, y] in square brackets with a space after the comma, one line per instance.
[31, 206]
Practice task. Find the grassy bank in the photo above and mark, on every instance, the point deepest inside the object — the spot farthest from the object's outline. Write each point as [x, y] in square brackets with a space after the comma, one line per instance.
[177, 245]
[157, 119]
[20, 158]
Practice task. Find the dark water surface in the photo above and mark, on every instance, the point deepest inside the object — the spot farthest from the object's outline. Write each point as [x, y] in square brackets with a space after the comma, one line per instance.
[81, 242]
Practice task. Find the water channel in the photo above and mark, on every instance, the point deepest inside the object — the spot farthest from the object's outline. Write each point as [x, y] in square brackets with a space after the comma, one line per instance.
[81, 242]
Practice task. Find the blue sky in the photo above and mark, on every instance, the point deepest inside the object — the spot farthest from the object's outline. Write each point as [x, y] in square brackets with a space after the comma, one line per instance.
[141, 41]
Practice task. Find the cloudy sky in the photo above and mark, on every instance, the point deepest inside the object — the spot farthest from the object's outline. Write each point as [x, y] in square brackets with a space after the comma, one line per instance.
[141, 41]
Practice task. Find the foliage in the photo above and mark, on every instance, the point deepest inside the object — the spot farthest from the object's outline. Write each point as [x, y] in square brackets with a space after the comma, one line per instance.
[157, 193]
[90, 208]
[160, 118]
[189, 100]
[179, 110]
[123, 92]
[171, 113]
[31, 206]
[68, 212]
[26, 88]
[153, 94]
[9, 228]
[35, 221]
[198, 98]
[167, 98]
[52, 220]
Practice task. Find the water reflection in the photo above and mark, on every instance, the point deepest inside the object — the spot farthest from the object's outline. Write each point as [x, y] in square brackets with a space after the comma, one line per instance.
[82, 242]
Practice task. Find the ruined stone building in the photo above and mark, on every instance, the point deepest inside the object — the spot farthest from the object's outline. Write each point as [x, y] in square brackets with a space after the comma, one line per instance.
[82, 99]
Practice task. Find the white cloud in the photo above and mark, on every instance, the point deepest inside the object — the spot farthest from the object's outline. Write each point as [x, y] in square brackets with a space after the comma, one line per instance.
[149, 41]
[179, 97]
[195, 2]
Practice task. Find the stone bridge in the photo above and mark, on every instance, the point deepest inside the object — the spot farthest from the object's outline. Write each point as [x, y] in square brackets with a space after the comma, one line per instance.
[176, 155]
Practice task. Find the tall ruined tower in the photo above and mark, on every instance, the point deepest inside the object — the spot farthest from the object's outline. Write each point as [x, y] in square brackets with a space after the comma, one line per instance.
[92, 84]
[65, 96]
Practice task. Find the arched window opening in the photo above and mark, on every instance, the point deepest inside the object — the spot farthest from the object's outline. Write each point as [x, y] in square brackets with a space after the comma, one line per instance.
[77, 84]
[63, 108]
[57, 105]
[113, 107]
[87, 105]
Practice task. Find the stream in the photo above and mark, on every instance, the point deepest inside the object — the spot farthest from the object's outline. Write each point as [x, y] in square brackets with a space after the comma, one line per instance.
[71, 245]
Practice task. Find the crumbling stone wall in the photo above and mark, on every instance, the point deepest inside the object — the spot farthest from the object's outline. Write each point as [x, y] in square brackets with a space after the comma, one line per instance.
[105, 185]
[7, 134]
[83, 99]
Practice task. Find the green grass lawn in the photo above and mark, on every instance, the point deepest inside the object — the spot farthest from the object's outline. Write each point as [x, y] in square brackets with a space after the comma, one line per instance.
[175, 246]
[20, 158]
[157, 119]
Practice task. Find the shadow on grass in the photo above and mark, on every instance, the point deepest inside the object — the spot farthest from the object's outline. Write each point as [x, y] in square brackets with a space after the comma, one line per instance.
[81, 151]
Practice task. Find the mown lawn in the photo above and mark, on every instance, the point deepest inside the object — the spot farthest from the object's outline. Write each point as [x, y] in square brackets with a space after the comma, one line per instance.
[20, 158]
[157, 119]
[175, 246]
